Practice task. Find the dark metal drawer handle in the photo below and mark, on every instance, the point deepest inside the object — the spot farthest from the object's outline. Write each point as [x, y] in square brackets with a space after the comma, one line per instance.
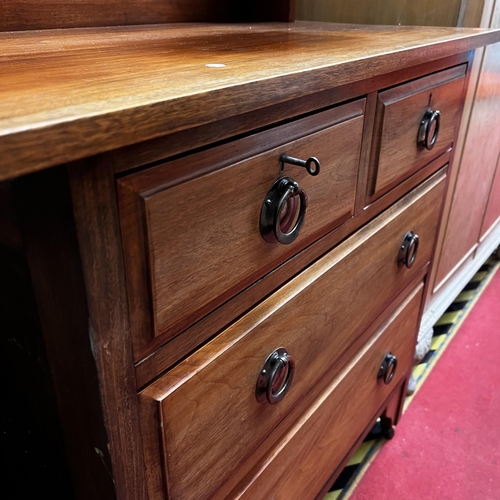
[408, 250]
[388, 368]
[279, 210]
[276, 377]
[430, 124]
[312, 164]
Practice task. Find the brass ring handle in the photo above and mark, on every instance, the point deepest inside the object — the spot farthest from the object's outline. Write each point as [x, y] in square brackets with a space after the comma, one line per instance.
[275, 377]
[429, 129]
[388, 368]
[275, 227]
[408, 250]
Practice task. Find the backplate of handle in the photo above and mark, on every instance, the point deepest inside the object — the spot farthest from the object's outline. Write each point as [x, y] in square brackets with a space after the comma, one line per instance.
[275, 377]
[285, 202]
[387, 369]
[408, 250]
[429, 129]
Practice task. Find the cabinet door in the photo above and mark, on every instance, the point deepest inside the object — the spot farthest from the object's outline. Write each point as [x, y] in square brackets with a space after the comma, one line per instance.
[477, 168]
[400, 12]
[492, 214]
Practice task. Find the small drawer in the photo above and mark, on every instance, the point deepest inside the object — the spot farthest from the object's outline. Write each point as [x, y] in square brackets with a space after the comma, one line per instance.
[305, 458]
[219, 404]
[192, 227]
[415, 123]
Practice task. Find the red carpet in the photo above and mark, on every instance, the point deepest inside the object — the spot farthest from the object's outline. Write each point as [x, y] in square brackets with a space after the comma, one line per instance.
[447, 445]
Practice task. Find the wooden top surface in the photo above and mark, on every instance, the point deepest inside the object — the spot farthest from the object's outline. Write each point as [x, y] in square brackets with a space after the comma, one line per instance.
[67, 94]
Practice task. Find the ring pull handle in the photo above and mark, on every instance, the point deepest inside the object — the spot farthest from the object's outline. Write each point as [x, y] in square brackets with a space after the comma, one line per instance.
[429, 129]
[387, 369]
[284, 203]
[275, 377]
[312, 164]
[408, 250]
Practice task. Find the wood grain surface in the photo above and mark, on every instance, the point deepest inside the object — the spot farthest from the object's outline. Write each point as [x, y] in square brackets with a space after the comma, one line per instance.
[396, 152]
[45, 14]
[67, 94]
[477, 167]
[466, 13]
[397, 12]
[207, 402]
[166, 355]
[492, 214]
[306, 455]
[199, 238]
[166, 146]
[95, 210]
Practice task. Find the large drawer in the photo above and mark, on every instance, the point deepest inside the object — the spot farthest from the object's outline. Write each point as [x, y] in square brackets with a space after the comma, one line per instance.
[403, 113]
[210, 417]
[192, 241]
[307, 455]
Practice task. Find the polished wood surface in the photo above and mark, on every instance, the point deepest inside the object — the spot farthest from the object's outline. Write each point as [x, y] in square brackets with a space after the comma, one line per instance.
[67, 94]
[154, 150]
[442, 291]
[200, 238]
[323, 435]
[474, 13]
[492, 214]
[169, 354]
[46, 14]
[322, 299]
[397, 12]
[92, 185]
[474, 66]
[166, 355]
[246, 470]
[396, 152]
[477, 167]
[198, 103]
[489, 91]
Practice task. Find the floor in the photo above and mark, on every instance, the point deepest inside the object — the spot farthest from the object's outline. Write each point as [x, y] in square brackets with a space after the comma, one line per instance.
[444, 330]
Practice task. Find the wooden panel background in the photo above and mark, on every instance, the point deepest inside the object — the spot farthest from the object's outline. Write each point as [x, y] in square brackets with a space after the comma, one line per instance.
[492, 214]
[405, 12]
[44, 14]
[402, 12]
[477, 166]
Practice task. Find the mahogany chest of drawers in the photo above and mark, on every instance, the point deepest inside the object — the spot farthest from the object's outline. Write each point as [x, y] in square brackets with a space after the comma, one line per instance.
[229, 270]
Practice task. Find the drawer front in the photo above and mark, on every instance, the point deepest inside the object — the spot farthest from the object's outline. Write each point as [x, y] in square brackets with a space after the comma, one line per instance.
[191, 244]
[307, 456]
[211, 419]
[397, 150]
